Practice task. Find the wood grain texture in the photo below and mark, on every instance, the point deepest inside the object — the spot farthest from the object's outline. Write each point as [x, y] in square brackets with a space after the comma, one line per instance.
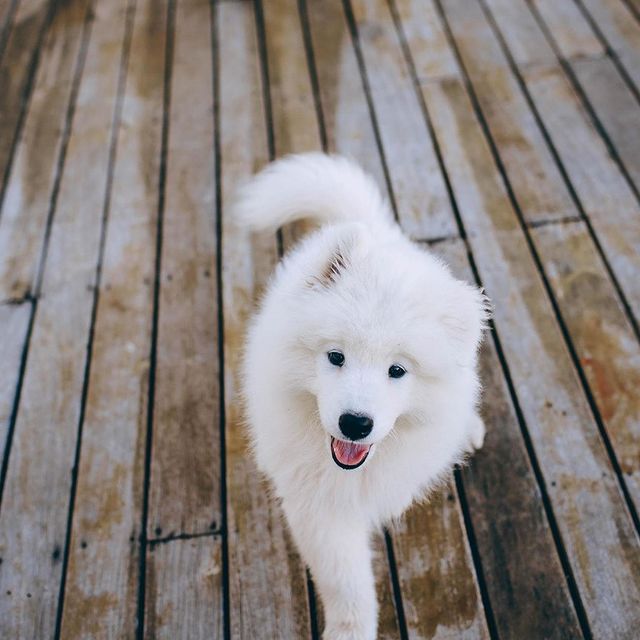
[184, 596]
[295, 125]
[596, 178]
[430, 50]
[523, 575]
[294, 121]
[267, 590]
[34, 509]
[185, 467]
[615, 107]
[14, 323]
[635, 5]
[440, 594]
[102, 578]
[7, 10]
[614, 103]
[29, 191]
[569, 28]
[21, 46]
[602, 335]
[526, 41]
[596, 529]
[410, 155]
[605, 195]
[347, 119]
[521, 145]
[621, 31]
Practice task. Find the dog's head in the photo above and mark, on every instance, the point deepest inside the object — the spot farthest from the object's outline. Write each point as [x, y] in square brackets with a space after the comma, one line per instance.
[381, 339]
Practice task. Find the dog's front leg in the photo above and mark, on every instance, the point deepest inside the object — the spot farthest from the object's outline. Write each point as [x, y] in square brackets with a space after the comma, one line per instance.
[339, 557]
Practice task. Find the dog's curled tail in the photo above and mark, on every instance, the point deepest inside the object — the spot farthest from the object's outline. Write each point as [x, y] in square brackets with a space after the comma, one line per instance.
[314, 186]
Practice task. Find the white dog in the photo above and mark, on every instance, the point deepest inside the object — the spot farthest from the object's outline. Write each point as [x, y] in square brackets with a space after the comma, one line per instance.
[359, 372]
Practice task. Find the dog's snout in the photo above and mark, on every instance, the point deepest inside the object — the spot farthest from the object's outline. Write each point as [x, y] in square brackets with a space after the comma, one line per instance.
[355, 426]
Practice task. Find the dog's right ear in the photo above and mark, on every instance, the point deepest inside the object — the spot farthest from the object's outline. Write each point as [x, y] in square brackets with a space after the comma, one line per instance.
[340, 247]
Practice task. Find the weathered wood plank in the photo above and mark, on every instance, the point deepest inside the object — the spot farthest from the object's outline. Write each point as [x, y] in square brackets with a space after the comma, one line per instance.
[294, 126]
[569, 27]
[347, 119]
[22, 44]
[527, 43]
[439, 589]
[602, 335]
[184, 590]
[14, 323]
[621, 30]
[596, 529]
[7, 11]
[267, 591]
[33, 522]
[616, 108]
[522, 147]
[635, 5]
[102, 577]
[431, 53]
[523, 575]
[411, 158]
[185, 467]
[606, 196]
[596, 178]
[614, 103]
[28, 194]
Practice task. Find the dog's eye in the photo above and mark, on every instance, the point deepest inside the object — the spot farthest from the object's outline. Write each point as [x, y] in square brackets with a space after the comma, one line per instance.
[336, 358]
[396, 371]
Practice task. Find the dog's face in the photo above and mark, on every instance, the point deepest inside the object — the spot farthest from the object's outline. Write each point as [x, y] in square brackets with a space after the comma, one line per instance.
[361, 391]
[379, 342]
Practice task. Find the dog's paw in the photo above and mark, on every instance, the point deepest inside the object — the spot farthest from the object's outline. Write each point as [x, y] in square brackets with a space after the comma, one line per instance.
[477, 433]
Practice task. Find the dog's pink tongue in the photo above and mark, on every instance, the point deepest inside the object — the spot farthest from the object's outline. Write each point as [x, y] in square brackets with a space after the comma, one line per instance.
[350, 453]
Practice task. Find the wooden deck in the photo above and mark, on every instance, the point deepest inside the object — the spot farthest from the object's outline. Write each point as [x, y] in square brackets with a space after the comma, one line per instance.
[507, 136]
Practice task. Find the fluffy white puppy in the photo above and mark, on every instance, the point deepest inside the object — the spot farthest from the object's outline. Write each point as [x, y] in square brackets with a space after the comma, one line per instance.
[359, 373]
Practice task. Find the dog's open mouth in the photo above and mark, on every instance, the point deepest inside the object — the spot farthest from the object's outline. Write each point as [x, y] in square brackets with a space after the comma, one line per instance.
[349, 455]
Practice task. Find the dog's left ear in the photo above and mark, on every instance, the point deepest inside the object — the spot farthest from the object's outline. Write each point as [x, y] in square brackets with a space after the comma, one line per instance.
[466, 317]
[341, 246]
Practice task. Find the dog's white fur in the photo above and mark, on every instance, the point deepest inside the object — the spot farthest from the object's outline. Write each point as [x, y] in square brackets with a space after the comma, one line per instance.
[358, 285]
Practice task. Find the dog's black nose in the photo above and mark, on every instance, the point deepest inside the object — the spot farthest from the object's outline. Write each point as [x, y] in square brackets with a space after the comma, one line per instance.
[354, 426]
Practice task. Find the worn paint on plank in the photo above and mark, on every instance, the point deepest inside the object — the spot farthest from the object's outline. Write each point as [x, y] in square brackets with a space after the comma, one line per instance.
[605, 195]
[411, 158]
[185, 465]
[523, 574]
[184, 595]
[33, 521]
[20, 52]
[596, 529]
[524, 152]
[102, 578]
[569, 28]
[29, 191]
[602, 335]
